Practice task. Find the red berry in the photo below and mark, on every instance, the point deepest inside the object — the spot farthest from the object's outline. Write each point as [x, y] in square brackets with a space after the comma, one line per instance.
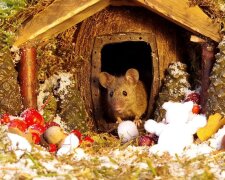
[77, 133]
[32, 116]
[4, 119]
[37, 128]
[52, 148]
[36, 138]
[148, 140]
[154, 137]
[196, 109]
[50, 124]
[17, 123]
[145, 141]
[194, 97]
[88, 139]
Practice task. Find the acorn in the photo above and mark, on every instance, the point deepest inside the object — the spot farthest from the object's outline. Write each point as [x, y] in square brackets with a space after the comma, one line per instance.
[53, 135]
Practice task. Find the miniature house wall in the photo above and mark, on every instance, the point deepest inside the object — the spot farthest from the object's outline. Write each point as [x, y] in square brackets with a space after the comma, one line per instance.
[119, 38]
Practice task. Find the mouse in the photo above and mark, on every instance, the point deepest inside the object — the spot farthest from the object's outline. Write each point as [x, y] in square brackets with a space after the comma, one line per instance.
[126, 95]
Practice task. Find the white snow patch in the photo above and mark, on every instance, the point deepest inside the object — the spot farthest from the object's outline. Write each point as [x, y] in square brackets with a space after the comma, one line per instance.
[59, 121]
[127, 130]
[8, 171]
[79, 154]
[70, 143]
[195, 150]
[215, 141]
[16, 52]
[106, 162]
[55, 166]
[60, 81]
[19, 144]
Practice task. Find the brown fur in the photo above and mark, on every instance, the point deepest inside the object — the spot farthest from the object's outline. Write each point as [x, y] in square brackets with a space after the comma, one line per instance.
[134, 104]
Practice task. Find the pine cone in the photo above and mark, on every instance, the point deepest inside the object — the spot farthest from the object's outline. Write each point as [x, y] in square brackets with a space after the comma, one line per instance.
[174, 88]
[216, 91]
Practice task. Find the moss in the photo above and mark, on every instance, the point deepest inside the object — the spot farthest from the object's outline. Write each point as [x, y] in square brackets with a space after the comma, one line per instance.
[214, 9]
[50, 107]
[10, 99]
[73, 111]
[6, 155]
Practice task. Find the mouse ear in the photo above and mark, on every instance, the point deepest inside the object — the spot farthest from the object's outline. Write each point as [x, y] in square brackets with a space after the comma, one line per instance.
[106, 79]
[132, 76]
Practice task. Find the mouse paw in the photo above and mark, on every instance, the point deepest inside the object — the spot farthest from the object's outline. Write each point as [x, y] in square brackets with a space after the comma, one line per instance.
[119, 120]
[138, 122]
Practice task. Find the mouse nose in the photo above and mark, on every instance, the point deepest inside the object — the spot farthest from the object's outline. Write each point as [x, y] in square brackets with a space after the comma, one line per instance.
[117, 105]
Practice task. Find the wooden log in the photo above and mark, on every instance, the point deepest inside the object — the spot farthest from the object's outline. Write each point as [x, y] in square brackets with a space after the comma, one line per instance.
[28, 77]
[190, 18]
[208, 59]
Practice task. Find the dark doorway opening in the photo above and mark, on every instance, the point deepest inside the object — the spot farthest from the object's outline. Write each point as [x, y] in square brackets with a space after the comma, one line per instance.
[117, 58]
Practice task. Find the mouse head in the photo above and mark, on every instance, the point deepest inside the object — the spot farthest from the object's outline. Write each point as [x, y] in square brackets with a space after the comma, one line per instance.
[120, 89]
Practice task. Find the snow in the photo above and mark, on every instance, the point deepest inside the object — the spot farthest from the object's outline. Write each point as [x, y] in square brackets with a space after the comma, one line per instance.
[19, 144]
[106, 162]
[16, 52]
[58, 82]
[70, 143]
[79, 154]
[54, 166]
[10, 170]
[178, 140]
[61, 123]
[127, 130]
[195, 150]
[215, 141]
[117, 158]
[15, 117]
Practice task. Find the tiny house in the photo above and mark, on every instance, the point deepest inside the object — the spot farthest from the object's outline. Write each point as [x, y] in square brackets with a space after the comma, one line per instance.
[116, 35]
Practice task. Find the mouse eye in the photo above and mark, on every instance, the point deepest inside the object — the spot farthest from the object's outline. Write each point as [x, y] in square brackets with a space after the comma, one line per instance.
[125, 93]
[111, 94]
